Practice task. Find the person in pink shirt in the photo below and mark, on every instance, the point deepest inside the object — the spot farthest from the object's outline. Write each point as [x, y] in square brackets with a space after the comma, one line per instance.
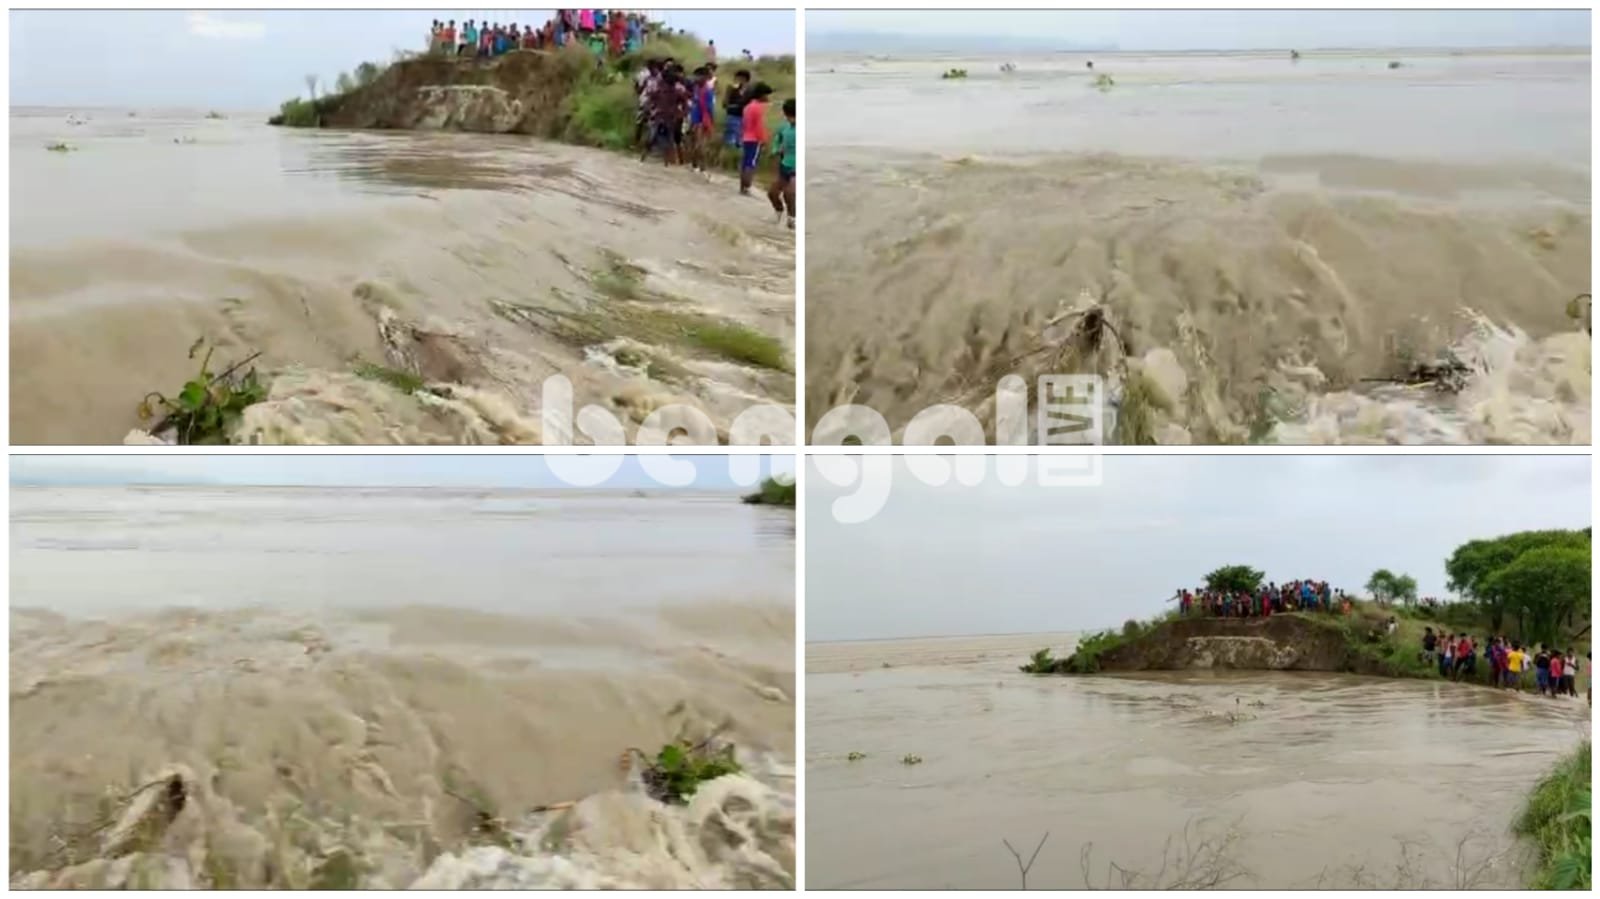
[755, 134]
[586, 20]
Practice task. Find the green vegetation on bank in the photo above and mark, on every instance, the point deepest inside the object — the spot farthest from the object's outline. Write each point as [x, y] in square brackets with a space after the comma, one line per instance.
[601, 110]
[772, 492]
[1532, 587]
[598, 109]
[1557, 820]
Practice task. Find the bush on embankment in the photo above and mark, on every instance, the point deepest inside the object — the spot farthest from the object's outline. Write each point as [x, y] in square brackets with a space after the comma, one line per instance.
[1300, 641]
[1557, 820]
[773, 492]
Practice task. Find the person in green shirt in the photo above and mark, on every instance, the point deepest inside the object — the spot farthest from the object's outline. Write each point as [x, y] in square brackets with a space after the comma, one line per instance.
[782, 192]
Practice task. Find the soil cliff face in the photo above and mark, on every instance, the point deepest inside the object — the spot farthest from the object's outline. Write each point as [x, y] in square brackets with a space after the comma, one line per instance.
[522, 92]
[1279, 643]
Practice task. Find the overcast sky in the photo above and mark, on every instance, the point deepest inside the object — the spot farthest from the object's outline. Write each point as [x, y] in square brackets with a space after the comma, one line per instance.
[993, 559]
[251, 60]
[1227, 29]
[711, 472]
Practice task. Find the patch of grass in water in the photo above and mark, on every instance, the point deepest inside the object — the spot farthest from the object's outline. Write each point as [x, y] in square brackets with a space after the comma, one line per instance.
[1136, 416]
[338, 871]
[618, 279]
[403, 381]
[739, 343]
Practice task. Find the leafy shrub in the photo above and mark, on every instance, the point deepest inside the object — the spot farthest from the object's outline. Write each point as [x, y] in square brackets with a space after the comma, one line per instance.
[209, 405]
[680, 768]
[1040, 663]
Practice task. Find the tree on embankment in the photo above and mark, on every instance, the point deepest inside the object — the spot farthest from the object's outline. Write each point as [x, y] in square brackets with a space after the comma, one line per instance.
[1541, 578]
[1386, 586]
[1235, 579]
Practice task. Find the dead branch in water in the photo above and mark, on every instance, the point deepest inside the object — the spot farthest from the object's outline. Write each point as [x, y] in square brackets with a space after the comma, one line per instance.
[1021, 868]
[1204, 865]
[1448, 375]
[1086, 336]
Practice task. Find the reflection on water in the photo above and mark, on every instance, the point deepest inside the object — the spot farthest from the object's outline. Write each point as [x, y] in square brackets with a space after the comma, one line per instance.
[1369, 781]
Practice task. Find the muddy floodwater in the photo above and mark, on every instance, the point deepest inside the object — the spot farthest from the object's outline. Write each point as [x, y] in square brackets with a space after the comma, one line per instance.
[343, 680]
[482, 264]
[1182, 779]
[1269, 240]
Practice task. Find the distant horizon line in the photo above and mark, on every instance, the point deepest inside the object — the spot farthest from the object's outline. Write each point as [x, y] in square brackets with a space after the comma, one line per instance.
[1039, 46]
[214, 484]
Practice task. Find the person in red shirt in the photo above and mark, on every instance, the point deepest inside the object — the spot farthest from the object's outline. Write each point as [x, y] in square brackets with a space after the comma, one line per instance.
[755, 134]
[617, 32]
[1464, 657]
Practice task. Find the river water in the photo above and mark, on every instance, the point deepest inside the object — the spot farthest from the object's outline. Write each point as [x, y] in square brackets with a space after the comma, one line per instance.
[464, 258]
[1181, 779]
[1261, 233]
[332, 671]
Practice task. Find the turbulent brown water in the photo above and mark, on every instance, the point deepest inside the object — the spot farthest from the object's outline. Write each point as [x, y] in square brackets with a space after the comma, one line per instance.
[1261, 235]
[341, 691]
[482, 263]
[1178, 780]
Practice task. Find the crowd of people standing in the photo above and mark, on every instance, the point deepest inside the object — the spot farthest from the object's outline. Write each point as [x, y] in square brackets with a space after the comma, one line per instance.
[677, 118]
[677, 111]
[605, 32]
[1509, 663]
[1264, 602]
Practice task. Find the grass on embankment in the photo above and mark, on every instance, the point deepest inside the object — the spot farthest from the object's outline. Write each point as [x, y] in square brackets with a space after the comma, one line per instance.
[601, 110]
[1557, 820]
[1383, 654]
[773, 492]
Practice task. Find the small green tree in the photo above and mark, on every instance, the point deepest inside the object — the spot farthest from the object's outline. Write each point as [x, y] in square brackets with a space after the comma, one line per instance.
[344, 84]
[1235, 579]
[311, 86]
[367, 72]
[1386, 586]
